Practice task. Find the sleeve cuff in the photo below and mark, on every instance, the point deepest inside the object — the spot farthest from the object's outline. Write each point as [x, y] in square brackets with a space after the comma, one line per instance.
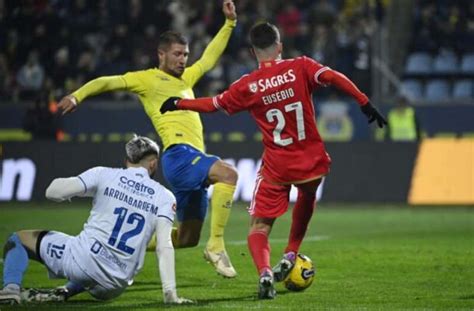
[230, 23]
[218, 106]
[77, 97]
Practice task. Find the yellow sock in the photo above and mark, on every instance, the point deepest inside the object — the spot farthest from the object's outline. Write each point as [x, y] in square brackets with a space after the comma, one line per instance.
[152, 244]
[221, 202]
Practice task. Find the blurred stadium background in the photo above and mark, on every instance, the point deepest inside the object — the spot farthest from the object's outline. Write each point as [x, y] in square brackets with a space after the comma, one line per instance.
[414, 58]
[419, 52]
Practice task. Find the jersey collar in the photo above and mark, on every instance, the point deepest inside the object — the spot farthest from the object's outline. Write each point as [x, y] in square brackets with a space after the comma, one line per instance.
[269, 63]
[167, 75]
[140, 169]
[266, 64]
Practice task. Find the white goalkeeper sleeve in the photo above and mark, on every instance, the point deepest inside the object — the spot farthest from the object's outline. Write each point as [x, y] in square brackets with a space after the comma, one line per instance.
[165, 255]
[62, 189]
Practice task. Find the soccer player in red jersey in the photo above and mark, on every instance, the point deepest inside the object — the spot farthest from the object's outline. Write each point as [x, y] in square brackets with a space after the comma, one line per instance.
[279, 97]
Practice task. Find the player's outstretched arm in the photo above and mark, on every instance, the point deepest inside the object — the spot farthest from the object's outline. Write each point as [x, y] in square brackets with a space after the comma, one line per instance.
[165, 257]
[100, 85]
[204, 104]
[215, 48]
[62, 189]
[339, 80]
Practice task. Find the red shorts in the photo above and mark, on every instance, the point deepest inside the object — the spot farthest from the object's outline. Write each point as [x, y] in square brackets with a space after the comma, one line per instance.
[269, 200]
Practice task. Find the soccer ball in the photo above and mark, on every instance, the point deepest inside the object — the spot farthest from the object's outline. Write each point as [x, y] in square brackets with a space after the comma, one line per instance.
[301, 275]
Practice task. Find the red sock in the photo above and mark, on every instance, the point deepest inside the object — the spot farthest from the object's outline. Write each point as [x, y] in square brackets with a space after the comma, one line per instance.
[260, 249]
[302, 212]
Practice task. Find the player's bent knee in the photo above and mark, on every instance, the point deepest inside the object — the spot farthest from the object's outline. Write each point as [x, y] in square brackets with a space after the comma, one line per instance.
[225, 173]
[261, 227]
[189, 233]
[101, 293]
[232, 175]
[188, 238]
[9, 244]
[31, 241]
[229, 175]
[28, 237]
[188, 242]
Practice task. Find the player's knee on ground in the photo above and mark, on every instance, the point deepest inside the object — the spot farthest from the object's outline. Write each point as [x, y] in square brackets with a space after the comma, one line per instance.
[102, 293]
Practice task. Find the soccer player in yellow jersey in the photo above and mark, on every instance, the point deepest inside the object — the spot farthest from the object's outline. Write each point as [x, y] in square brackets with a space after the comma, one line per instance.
[186, 166]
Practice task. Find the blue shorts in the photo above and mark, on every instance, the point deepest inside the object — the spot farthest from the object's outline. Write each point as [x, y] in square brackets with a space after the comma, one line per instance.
[186, 169]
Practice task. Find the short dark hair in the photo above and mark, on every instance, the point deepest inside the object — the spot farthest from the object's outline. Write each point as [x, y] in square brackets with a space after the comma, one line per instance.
[169, 37]
[263, 35]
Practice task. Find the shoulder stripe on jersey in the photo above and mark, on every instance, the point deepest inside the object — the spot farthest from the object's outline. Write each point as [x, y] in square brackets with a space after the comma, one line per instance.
[85, 186]
[215, 103]
[166, 217]
[318, 73]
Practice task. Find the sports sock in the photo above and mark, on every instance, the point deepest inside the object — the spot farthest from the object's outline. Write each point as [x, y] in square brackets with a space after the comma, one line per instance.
[73, 289]
[266, 271]
[291, 256]
[16, 261]
[260, 250]
[302, 212]
[221, 203]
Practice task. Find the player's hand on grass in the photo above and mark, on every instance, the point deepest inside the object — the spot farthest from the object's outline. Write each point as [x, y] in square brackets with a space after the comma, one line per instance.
[373, 115]
[68, 104]
[171, 297]
[170, 104]
[228, 8]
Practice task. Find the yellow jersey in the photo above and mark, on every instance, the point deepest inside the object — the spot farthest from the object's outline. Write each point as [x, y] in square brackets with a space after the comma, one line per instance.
[154, 86]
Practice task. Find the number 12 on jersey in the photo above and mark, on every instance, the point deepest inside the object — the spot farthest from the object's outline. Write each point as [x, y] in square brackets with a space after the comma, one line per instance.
[132, 218]
[277, 114]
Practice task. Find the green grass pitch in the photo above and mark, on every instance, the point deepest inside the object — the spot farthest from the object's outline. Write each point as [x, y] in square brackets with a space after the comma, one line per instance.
[367, 258]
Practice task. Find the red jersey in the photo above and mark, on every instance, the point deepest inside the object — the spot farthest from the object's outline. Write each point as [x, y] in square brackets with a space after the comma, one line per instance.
[279, 97]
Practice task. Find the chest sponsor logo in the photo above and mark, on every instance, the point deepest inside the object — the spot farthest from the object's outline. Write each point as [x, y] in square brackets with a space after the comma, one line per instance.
[275, 81]
[136, 185]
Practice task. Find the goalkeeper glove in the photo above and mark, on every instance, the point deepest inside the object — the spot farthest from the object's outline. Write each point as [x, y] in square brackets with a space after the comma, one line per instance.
[171, 104]
[373, 114]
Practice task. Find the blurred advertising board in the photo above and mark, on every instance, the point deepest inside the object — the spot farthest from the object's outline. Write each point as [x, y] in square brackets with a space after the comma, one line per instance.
[360, 172]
